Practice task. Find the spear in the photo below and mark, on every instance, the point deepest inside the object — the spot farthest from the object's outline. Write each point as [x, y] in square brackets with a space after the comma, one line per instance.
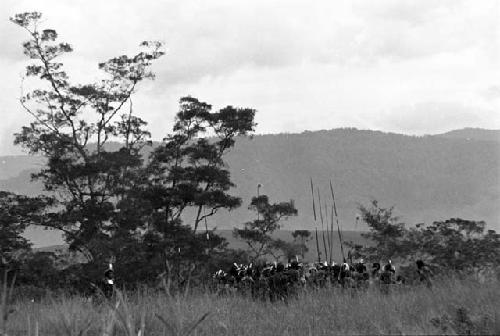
[337, 219]
[322, 226]
[328, 238]
[312, 193]
[317, 246]
[314, 213]
[331, 234]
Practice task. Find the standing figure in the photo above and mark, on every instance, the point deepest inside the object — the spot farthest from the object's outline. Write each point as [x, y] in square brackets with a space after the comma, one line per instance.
[424, 273]
[362, 270]
[361, 275]
[278, 284]
[389, 267]
[109, 282]
[345, 276]
[388, 273]
[387, 277]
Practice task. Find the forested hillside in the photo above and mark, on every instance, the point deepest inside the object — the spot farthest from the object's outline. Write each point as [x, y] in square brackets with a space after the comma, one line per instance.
[426, 178]
[471, 133]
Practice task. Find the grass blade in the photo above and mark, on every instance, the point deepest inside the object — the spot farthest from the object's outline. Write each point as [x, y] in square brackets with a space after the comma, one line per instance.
[193, 327]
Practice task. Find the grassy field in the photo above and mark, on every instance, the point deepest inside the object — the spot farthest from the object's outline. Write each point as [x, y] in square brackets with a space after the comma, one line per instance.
[452, 306]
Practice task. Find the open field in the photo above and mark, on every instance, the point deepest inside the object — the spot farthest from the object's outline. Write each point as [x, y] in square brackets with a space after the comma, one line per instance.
[452, 306]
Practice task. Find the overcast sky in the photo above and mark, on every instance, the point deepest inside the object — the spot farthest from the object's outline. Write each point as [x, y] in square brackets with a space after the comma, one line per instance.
[407, 66]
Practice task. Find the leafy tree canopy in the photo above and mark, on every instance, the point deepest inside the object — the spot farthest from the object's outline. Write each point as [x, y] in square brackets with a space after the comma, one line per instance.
[258, 233]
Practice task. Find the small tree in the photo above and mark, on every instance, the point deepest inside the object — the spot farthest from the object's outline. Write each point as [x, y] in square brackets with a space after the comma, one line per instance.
[386, 233]
[258, 233]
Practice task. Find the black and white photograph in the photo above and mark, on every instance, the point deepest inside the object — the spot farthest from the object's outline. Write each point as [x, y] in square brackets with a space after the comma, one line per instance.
[265, 167]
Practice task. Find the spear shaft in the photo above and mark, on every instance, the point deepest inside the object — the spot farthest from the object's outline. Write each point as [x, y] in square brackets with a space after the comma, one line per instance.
[312, 193]
[317, 246]
[337, 219]
[331, 234]
[314, 213]
[322, 226]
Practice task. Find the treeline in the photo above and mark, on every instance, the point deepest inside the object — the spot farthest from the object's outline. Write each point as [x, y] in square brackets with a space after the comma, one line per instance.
[456, 245]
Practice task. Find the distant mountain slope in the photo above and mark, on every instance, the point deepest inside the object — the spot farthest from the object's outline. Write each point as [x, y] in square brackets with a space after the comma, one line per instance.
[12, 165]
[427, 178]
[473, 134]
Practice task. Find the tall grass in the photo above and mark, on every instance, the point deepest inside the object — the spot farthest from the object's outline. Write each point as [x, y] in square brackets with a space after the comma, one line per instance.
[452, 306]
[6, 309]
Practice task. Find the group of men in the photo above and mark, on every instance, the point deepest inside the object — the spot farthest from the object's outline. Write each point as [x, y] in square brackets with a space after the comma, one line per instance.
[278, 279]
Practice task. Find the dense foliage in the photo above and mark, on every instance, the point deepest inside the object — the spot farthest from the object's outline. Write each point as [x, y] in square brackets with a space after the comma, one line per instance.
[453, 244]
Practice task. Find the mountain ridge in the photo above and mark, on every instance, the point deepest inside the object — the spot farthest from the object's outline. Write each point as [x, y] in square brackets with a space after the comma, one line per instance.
[426, 178]
[472, 133]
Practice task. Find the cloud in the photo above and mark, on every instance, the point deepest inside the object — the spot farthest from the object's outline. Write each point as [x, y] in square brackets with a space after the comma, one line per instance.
[404, 29]
[491, 93]
[302, 64]
[224, 36]
[413, 12]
